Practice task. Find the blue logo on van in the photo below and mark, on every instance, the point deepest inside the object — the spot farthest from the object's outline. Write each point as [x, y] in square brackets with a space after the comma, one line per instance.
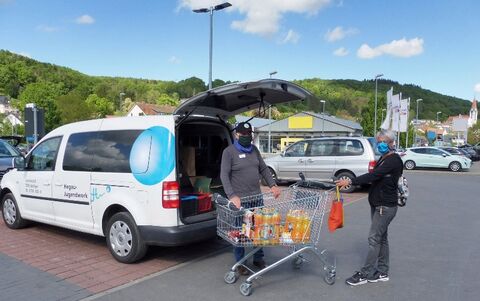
[152, 157]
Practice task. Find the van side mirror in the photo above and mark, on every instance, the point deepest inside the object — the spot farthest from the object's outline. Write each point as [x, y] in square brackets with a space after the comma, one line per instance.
[282, 154]
[18, 163]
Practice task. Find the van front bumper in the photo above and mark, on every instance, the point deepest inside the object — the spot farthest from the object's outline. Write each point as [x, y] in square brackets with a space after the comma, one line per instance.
[178, 235]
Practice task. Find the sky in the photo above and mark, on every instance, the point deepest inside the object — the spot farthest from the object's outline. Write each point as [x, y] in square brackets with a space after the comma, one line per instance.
[431, 43]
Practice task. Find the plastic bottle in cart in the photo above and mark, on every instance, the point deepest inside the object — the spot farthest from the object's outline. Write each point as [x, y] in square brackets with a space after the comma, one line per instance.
[305, 226]
[297, 236]
[276, 228]
[308, 227]
[267, 222]
[258, 227]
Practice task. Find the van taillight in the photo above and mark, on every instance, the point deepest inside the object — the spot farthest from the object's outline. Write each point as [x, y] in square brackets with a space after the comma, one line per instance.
[170, 197]
[371, 165]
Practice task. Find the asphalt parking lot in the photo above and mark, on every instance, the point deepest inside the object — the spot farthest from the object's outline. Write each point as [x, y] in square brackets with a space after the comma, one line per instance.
[434, 242]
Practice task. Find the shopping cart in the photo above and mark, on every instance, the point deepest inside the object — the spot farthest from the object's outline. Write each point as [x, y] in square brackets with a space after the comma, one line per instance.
[293, 221]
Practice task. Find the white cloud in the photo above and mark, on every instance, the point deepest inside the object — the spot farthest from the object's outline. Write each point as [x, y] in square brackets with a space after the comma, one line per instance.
[261, 17]
[174, 60]
[46, 28]
[477, 88]
[338, 33]
[340, 52]
[399, 48]
[291, 37]
[85, 20]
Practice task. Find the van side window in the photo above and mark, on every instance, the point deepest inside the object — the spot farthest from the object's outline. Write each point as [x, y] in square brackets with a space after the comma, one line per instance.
[322, 148]
[43, 156]
[296, 150]
[104, 151]
[79, 151]
[350, 147]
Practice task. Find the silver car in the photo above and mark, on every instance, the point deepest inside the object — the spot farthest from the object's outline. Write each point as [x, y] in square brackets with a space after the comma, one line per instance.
[325, 159]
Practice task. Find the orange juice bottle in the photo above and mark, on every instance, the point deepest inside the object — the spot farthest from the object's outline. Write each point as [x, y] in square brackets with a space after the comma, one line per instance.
[308, 227]
[276, 228]
[267, 228]
[258, 227]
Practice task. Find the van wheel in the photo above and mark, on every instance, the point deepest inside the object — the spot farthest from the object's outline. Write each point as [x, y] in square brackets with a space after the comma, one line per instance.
[123, 238]
[274, 176]
[11, 214]
[348, 176]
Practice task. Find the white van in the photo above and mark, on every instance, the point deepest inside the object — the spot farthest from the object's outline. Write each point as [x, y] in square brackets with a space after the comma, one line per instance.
[124, 177]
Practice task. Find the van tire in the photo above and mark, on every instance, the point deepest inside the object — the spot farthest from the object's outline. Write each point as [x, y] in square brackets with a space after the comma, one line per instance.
[346, 175]
[11, 214]
[123, 238]
[274, 176]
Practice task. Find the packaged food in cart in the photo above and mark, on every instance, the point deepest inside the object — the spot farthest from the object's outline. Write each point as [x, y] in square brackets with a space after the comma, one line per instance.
[293, 220]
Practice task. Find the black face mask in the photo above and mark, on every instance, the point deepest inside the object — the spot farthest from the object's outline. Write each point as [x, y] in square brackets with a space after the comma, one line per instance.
[245, 141]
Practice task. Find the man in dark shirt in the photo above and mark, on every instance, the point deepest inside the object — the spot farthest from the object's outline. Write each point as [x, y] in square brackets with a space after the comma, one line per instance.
[383, 198]
[241, 169]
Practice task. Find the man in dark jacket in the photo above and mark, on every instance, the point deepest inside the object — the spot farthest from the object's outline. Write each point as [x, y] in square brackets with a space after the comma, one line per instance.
[241, 170]
[383, 198]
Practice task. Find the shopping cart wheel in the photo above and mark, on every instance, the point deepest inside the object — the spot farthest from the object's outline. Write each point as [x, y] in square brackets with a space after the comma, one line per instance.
[297, 262]
[329, 278]
[246, 289]
[230, 277]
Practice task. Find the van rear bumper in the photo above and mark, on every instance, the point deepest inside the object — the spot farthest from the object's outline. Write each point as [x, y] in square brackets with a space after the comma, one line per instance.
[178, 235]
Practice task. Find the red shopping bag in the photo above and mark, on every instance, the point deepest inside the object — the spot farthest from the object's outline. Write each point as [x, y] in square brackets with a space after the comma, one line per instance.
[335, 219]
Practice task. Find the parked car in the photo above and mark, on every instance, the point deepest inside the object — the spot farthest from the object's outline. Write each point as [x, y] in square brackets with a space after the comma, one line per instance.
[455, 151]
[125, 178]
[434, 157]
[7, 154]
[473, 153]
[325, 159]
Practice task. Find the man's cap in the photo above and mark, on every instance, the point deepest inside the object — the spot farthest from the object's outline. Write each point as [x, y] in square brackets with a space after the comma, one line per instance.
[244, 128]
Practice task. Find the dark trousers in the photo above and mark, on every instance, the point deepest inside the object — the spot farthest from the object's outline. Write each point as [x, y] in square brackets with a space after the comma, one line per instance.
[378, 253]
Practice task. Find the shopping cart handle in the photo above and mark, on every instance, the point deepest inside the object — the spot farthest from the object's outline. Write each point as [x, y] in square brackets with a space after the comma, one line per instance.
[222, 201]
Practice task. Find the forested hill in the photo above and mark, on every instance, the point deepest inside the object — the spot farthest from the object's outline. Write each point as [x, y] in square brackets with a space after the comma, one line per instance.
[68, 95]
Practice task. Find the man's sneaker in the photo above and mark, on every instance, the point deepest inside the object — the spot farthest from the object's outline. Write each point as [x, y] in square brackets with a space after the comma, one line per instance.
[357, 279]
[259, 263]
[378, 276]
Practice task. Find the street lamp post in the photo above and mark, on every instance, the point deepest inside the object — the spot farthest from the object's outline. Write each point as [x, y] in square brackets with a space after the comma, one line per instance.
[438, 113]
[323, 117]
[273, 73]
[210, 10]
[416, 120]
[376, 91]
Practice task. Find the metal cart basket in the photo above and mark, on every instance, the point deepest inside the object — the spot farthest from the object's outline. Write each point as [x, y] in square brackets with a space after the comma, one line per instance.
[293, 220]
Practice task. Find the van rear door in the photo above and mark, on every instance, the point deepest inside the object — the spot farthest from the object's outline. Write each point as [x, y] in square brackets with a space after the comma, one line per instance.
[232, 99]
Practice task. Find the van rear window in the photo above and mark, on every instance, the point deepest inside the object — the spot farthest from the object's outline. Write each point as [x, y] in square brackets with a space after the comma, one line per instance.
[105, 151]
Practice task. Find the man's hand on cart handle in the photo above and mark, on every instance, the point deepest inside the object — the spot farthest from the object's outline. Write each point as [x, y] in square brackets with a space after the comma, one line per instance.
[275, 191]
[236, 201]
[343, 182]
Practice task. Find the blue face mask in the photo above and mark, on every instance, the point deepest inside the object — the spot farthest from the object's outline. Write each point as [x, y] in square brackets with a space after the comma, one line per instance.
[382, 148]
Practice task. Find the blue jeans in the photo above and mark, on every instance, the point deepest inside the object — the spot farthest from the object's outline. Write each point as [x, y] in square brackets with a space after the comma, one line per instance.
[378, 252]
[239, 253]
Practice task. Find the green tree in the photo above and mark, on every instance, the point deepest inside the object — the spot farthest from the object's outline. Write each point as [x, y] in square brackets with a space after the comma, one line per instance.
[43, 94]
[100, 105]
[72, 107]
[474, 134]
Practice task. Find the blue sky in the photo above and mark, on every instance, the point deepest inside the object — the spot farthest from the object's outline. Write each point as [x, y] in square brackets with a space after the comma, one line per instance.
[431, 43]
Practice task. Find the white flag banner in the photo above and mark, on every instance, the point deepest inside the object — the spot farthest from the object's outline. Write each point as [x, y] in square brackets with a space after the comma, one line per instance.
[387, 121]
[395, 112]
[404, 108]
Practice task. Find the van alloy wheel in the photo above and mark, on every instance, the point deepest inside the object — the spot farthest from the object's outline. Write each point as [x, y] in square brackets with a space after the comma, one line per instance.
[121, 238]
[9, 211]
